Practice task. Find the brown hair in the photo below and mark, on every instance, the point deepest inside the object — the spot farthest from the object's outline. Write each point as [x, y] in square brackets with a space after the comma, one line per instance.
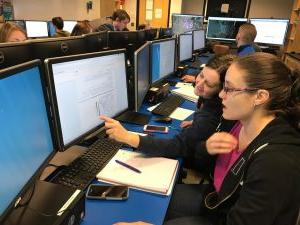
[221, 64]
[81, 28]
[248, 32]
[268, 72]
[120, 14]
[7, 29]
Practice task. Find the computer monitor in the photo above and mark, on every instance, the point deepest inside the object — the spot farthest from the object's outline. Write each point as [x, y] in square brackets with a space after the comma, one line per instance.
[20, 23]
[198, 39]
[151, 34]
[69, 25]
[185, 47]
[36, 29]
[51, 29]
[162, 59]
[55, 47]
[270, 31]
[223, 28]
[26, 141]
[142, 74]
[182, 23]
[83, 87]
[122, 39]
[165, 33]
[14, 53]
[96, 41]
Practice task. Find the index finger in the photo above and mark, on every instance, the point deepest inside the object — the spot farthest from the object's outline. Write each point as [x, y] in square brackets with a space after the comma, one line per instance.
[106, 118]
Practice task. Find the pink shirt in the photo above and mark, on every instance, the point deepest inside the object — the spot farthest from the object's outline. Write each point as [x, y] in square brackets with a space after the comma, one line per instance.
[225, 161]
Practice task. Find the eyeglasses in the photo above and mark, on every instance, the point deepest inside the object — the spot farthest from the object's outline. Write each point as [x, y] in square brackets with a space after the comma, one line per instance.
[230, 90]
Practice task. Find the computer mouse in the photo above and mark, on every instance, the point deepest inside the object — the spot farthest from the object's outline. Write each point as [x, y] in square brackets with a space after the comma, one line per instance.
[164, 119]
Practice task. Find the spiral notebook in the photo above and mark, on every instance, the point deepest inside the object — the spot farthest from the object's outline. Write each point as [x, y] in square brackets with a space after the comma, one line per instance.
[157, 173]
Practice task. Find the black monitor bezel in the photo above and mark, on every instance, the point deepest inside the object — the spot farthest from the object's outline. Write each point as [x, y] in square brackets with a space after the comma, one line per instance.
[174, 69]
[98, 34]
[194, 37]
[10, 71]
[179, 35]
[286, 30]
[118, 34]
[245, 20]
[37, 21]
[186, 14]
[149, 33]
[48, 64]
[147, 44]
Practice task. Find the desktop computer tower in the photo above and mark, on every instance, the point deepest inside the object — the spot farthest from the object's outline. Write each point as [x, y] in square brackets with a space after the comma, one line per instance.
[48, 204]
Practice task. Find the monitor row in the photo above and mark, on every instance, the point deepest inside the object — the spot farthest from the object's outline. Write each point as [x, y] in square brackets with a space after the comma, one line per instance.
[269, 31]
[42, 112]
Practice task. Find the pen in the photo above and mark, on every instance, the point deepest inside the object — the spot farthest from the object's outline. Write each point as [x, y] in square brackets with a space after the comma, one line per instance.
[128, 166]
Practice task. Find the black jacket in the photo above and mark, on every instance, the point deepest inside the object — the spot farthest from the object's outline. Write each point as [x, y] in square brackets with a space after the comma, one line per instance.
[263, 186]
[183, 144]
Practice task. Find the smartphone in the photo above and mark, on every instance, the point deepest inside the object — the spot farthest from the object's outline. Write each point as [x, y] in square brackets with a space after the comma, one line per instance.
[107, 192]
[152, 128]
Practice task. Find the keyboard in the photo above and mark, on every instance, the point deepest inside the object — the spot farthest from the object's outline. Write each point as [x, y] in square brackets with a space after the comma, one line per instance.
[168, 105]
[82, 171]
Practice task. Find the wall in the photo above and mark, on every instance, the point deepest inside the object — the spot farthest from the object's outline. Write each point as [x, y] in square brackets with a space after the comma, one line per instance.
[258, 8]
[274, 8]
[46, 9]
[174, 8]
[193, 7]
[130, 7]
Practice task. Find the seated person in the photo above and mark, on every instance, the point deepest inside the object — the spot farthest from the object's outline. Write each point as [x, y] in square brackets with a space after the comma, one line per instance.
[143, 26]
[245, 39]
[10, 32]
[256, 176]
[120, 19]
[206, 120]
[58, 23]
[81, 28]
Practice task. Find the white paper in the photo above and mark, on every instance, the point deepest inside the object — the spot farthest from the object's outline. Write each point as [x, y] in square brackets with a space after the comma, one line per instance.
[186, 92]
[182, 84]
[141, 134]
[225, 8]
[152, 107]
[181, 113]
[158, 13]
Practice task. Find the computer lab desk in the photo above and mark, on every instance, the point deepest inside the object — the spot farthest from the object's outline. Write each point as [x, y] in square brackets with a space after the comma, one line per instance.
[140, 205]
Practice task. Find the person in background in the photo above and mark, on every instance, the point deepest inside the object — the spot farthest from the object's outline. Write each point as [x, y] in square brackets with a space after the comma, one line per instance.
[120, 19]
[10, 32]
[58, 23]
[81, 28]
[257, 171]
[245, 39]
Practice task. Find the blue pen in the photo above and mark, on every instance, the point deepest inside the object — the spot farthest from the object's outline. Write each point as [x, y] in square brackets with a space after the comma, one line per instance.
[128, 166]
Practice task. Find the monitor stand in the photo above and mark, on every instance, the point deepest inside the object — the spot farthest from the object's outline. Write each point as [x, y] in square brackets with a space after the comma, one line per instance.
[134, 117]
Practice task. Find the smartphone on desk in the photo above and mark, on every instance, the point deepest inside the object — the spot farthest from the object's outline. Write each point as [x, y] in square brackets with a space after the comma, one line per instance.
[107, 192]
[153, 128]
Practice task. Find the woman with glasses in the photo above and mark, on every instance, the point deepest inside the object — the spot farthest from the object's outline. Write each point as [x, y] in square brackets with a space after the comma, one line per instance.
[257, 171]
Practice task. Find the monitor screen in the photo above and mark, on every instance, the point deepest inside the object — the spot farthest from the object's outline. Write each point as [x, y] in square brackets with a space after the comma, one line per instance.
[51, 29]
[223, 28]
[198, 39]
[69, 25]
[25, 134]
[85, 87]
[182, 23]
[36, 29]
[185, 46]
[162, 58]
[270, 31]
[142, 74]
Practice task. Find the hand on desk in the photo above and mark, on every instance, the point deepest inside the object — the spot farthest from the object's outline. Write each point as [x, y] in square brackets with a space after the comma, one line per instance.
[188, 78]
[186, 123]
[118, 133]
[221, 143]
[133, 223]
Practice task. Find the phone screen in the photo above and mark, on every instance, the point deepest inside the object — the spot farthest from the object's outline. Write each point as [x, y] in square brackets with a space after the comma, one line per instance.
[157, 128]
[107, 192]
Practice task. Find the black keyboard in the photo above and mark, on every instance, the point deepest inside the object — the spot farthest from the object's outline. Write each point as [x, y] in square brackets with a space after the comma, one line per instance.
[81, 172]
[168, 105]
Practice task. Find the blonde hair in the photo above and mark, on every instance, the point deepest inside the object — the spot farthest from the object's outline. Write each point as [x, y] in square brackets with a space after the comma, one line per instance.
[247, 32]
[7, 29]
